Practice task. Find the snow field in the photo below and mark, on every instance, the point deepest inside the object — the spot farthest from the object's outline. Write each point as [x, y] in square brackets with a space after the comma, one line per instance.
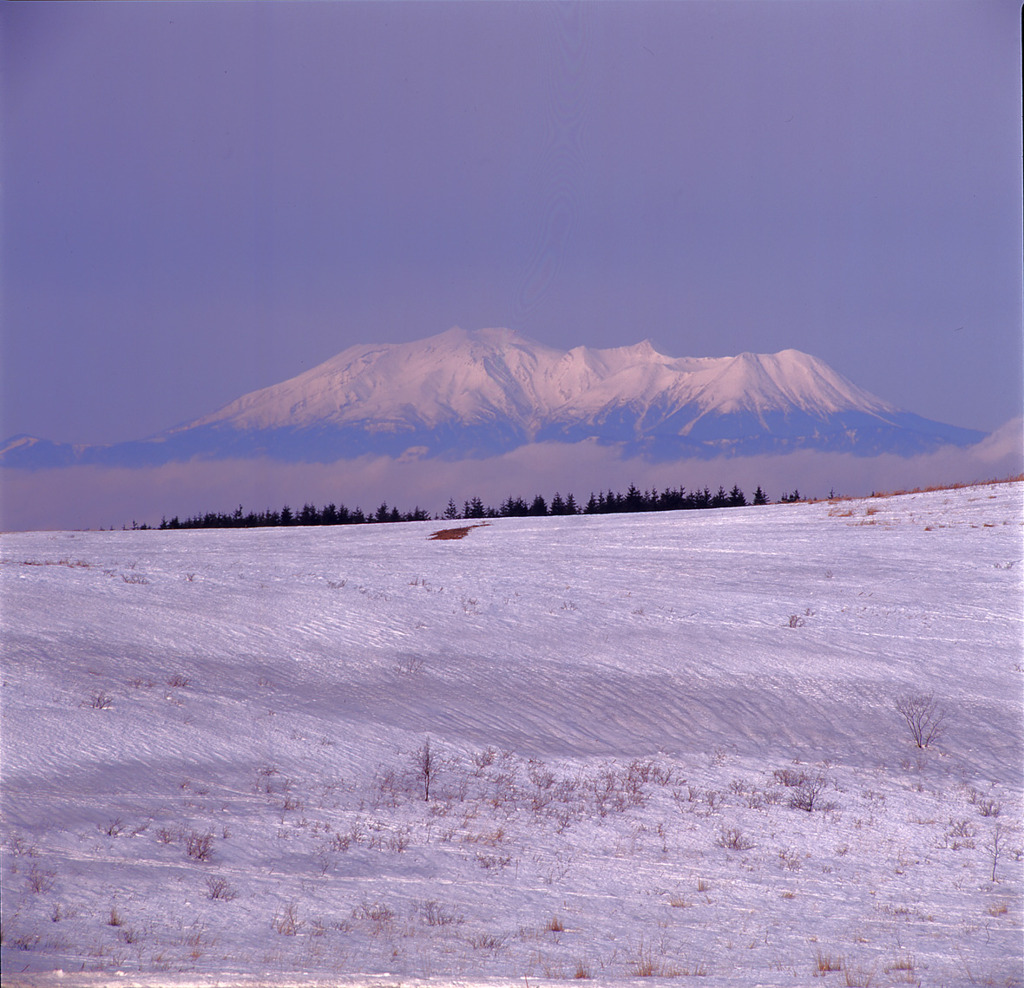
[213, 750]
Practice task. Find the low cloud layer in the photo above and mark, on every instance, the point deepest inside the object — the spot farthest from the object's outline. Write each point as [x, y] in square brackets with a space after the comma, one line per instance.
[98, 497]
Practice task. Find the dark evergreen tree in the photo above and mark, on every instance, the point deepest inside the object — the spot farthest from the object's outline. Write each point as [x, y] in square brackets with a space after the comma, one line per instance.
[759, 496]
[514, 507]
[736, 497]
[634, 499]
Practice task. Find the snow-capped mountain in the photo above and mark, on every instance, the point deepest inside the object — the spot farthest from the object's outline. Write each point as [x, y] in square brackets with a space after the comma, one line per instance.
[465, 394]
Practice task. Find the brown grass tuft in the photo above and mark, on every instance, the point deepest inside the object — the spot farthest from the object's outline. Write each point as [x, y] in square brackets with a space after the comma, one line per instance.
[456, 533]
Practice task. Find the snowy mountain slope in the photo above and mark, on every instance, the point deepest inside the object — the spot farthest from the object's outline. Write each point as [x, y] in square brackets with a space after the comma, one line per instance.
[479, 393]
[474, 377]
[213, 750]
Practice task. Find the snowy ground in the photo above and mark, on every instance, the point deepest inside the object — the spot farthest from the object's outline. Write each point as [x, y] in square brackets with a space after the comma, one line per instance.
[213, 750]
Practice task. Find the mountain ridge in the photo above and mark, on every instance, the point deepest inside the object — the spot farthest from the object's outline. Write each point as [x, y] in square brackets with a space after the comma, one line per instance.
[440, 377]
[484, 392]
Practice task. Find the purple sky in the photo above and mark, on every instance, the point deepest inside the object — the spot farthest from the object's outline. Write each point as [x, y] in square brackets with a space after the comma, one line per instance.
[203, 199]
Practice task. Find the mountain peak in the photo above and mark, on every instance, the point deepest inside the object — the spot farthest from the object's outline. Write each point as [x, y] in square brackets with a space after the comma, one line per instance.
[478, 392]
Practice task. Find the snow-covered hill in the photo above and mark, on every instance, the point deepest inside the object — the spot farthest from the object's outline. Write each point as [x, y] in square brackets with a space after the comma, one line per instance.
[659, 745]
[486, 392]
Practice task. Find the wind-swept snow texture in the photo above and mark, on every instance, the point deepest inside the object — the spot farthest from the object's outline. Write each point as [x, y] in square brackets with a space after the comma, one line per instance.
[660, 745]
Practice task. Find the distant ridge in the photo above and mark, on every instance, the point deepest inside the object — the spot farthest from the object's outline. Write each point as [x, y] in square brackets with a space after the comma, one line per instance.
[464, 394]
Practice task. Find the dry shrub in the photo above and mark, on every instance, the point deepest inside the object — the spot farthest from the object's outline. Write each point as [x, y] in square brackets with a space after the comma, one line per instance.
[582, 971]
[41, 881]
[434, 914]
[923, 716]
[858, 977]
[903, 963]
[645, 965]
[286, 921]
[487, 941]
[732, 839]
[199, 846]
[218, 888]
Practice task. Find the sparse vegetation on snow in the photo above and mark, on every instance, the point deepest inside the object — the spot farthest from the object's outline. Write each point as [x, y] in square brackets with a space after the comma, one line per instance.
[761, 745]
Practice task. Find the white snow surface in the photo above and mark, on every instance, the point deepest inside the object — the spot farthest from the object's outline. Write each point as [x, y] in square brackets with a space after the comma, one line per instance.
[212, 750]
[477, 376]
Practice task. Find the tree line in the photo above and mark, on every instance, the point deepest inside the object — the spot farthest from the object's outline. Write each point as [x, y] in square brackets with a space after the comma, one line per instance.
[603, 502]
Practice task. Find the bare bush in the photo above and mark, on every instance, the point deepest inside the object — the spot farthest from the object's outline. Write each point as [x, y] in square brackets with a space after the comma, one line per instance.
[789, 777]
[378, 914]
[858, 976]
[582, 971]
[425, 766]
[807, 795]
[434, 914]
[487, 941]
[960, 834]
[19, 846]
[99, 701]
[923, 716]
[130, 935]
[732, 839]
[996, 846]
[989, 807]
[286, 921]
[41, 881]
[199, 846]
[902, 964]
[488, 861]
[218, 888]
[409, 665]
[645, 965]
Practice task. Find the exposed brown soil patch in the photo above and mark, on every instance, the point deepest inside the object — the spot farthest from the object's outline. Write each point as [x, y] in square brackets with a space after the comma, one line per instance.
[457, 533]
